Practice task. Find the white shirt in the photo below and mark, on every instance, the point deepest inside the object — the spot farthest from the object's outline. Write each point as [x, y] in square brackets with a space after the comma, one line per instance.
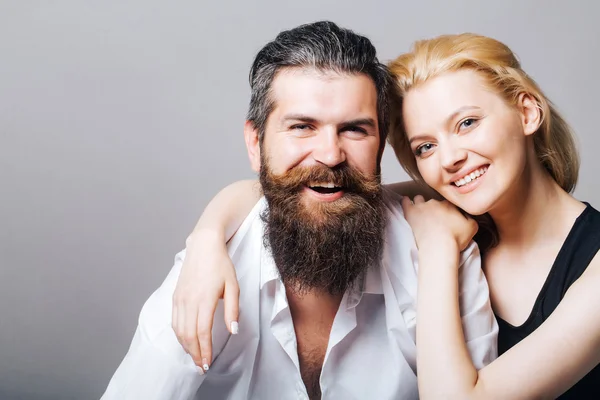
[371, 352]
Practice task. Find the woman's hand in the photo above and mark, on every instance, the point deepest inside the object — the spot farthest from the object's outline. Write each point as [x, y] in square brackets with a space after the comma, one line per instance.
[434, 222]
[207, 275]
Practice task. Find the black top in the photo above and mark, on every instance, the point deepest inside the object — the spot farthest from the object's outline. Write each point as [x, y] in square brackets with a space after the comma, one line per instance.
[576, 253]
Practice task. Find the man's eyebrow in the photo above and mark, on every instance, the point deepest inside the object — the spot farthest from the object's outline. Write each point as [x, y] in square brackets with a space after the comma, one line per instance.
[299, 117]
[370, 122]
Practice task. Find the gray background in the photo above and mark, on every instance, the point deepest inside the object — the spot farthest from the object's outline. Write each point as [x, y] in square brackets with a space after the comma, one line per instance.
[119, 120]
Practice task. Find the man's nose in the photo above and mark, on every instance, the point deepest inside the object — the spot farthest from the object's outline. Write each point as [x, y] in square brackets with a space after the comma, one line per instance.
[329, 150]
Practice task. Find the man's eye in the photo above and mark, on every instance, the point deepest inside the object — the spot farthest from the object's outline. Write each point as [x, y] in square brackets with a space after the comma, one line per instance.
[424, 148]
[355, 129]
[300, 127]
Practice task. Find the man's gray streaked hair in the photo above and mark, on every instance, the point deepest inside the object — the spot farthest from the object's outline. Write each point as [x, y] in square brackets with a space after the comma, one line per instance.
[324, 46]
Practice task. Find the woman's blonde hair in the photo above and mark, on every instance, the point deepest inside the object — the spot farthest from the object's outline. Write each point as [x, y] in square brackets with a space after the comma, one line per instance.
[553, 142]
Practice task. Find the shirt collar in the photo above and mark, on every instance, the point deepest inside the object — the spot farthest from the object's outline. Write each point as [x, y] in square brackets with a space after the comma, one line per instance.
[369, 282]
[268, 269]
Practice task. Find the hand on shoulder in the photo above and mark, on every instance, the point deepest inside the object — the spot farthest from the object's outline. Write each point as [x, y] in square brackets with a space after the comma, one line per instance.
[434, 222]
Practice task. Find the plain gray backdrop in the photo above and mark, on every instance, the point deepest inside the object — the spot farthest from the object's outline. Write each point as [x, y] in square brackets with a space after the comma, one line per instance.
[119, 120]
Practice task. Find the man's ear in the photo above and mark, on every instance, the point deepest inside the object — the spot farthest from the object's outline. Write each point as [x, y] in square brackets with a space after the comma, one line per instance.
[531, 113]
[252, 144]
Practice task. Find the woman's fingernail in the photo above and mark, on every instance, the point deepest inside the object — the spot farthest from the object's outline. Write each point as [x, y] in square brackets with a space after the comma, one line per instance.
[235, 328]
[205, 364]
[200, 370]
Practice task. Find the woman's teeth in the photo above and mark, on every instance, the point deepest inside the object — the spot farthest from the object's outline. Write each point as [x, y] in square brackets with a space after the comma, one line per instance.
[470, 177]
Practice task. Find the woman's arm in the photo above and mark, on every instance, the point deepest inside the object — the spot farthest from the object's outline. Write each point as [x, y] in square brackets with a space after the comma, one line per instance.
[207, 274]
[412, 189]
[544, 365]
[227, 210]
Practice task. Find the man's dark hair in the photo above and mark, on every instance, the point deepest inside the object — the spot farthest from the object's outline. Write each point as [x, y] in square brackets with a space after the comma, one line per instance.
[326, 47]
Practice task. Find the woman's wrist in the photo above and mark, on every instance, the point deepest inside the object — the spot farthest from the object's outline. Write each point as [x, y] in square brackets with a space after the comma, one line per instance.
[438, 242]
[439, 252]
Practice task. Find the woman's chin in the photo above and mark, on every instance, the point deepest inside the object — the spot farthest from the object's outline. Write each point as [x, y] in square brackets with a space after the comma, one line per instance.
[472, 207]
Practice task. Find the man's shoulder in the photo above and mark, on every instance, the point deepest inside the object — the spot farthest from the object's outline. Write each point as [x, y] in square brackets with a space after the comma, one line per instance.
[393, 206]
[245, 249]
[391, 196]
[252, 226]
[471, 254]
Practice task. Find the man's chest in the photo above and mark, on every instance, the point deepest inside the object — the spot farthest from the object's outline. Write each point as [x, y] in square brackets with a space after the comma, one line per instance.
[356, 357]
[312, 339]
[361, 357]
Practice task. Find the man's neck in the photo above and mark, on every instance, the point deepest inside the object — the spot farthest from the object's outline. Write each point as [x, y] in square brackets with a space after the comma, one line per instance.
[313, 305]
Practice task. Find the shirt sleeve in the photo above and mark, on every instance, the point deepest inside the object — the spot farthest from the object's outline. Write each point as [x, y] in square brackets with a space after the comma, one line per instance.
[479, 324]
[156, 366]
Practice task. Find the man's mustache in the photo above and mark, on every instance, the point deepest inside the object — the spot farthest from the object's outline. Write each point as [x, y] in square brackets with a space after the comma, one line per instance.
[344, 176]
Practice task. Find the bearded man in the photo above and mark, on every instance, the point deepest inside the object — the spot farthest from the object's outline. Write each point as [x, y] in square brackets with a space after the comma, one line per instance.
[326, 261]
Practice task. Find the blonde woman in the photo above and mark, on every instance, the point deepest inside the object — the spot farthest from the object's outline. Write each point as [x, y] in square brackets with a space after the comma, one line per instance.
[479, 131]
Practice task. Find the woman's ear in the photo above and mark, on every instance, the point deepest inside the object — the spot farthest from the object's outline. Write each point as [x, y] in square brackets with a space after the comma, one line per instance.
[531, 113]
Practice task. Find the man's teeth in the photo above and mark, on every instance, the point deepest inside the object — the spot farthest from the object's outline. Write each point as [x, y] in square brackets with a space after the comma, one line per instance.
[470, 177]
[329, 185]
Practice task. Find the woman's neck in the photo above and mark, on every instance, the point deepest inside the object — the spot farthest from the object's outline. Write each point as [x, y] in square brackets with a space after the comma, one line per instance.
[537, 209]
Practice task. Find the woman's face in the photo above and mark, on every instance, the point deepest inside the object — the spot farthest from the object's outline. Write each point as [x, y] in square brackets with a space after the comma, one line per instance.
[470, 145]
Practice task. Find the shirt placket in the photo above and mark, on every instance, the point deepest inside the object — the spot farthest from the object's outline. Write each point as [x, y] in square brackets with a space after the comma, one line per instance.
[282, 328]
[343, 324]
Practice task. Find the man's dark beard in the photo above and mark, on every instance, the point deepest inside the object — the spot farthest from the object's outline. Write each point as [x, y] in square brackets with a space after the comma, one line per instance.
[318, 245]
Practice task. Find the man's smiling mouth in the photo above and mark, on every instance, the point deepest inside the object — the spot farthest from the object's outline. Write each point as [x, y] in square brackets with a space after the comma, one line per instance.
[324, 187]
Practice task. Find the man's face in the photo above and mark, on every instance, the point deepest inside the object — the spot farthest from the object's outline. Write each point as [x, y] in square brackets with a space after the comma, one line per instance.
[318, 164]
[321, 119]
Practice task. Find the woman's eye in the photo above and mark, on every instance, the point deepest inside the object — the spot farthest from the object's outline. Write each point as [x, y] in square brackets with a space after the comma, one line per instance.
[424, 148]
[467, 123]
